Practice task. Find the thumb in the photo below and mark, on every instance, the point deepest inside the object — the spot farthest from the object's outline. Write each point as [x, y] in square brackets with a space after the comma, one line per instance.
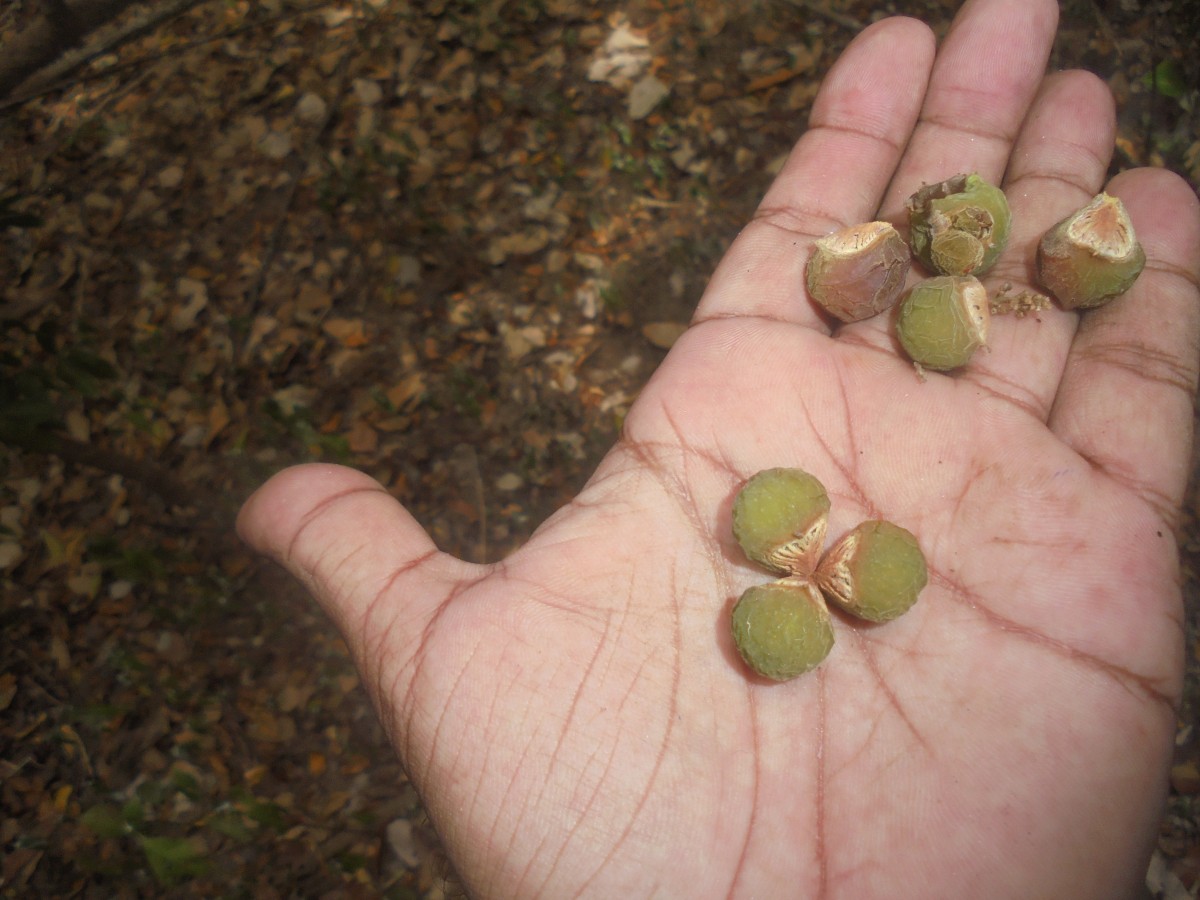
[368, 562]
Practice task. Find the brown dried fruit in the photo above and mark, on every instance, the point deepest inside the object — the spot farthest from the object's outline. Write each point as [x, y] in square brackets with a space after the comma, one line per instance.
[1092, 256]
[959, 226]
[859, 271]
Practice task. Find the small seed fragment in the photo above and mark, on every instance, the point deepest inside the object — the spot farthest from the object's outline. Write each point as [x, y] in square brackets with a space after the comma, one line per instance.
[1091, 256]
[874, 572]
[959, 226]
[780, 517]
[782, 629]
[859, 271]
[944, 320]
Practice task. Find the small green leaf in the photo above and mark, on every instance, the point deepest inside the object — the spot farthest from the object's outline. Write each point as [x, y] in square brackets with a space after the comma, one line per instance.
[267, 813]
[134, 813]
[83, 371]
[1169, 79]
[105, 820]
[231, 824]
[97, 715]
[352, 862]
[174, 859]
[152, 793]
[186, 784]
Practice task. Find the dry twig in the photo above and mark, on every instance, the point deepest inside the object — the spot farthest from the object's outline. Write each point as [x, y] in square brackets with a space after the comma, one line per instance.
[823, 10]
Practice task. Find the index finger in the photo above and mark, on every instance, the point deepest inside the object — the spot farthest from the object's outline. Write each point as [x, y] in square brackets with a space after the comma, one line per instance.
[987, 73]
[834, 176]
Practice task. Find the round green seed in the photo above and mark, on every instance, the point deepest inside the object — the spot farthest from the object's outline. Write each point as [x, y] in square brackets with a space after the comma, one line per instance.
[943, 321]
[875, 572]
[782, 629]
[780, 517]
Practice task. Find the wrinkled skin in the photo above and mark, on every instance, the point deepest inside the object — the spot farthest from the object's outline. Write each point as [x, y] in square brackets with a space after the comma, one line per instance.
[575, 717]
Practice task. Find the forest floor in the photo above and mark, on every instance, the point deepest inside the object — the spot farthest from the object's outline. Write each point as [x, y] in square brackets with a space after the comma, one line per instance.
[445, 242]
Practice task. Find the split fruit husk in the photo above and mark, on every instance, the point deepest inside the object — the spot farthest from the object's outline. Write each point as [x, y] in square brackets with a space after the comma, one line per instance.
[780, 517]
[1092, 256]
[782, 629]
[875, 572]
[959, 226]
[943, 320]
[858, 272]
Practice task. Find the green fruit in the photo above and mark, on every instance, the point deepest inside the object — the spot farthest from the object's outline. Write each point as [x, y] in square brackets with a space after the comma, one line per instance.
[780, 517]
[858, 272]
[944, 320]
[1092, 256]
[959, 226]
[875, 572]
[782, 629]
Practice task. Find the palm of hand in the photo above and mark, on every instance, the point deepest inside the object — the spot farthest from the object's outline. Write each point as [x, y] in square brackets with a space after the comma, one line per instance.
[598, 711]
[576, 718]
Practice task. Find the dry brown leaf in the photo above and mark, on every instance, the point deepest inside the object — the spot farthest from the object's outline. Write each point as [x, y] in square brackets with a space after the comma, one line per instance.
[269, 728]
[645, 95]
[11, 553]
[1185, 778]
[218, 419]
[87, 581]
[195, 297]
[521, 243]
[60, 653]
[362, 438]
[295, 694]
[8, 689]
[408, 391]
[663, 334]
[351, 332]
[403, 844]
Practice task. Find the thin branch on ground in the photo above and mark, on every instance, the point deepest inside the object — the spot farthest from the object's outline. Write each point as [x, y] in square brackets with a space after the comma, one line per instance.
[63, 73]
[823, 10]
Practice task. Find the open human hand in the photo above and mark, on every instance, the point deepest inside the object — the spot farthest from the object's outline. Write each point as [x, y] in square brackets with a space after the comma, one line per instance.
[576, 718]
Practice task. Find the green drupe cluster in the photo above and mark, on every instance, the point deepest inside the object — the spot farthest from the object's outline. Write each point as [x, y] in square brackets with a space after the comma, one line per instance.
[875, 572]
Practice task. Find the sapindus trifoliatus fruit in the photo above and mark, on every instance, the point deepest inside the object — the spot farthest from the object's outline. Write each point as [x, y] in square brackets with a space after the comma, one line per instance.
[1091, 256]
[858, 272]
[959, 226]
[874, 572]
[779, 519]
[783, 629]
[943, 320]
